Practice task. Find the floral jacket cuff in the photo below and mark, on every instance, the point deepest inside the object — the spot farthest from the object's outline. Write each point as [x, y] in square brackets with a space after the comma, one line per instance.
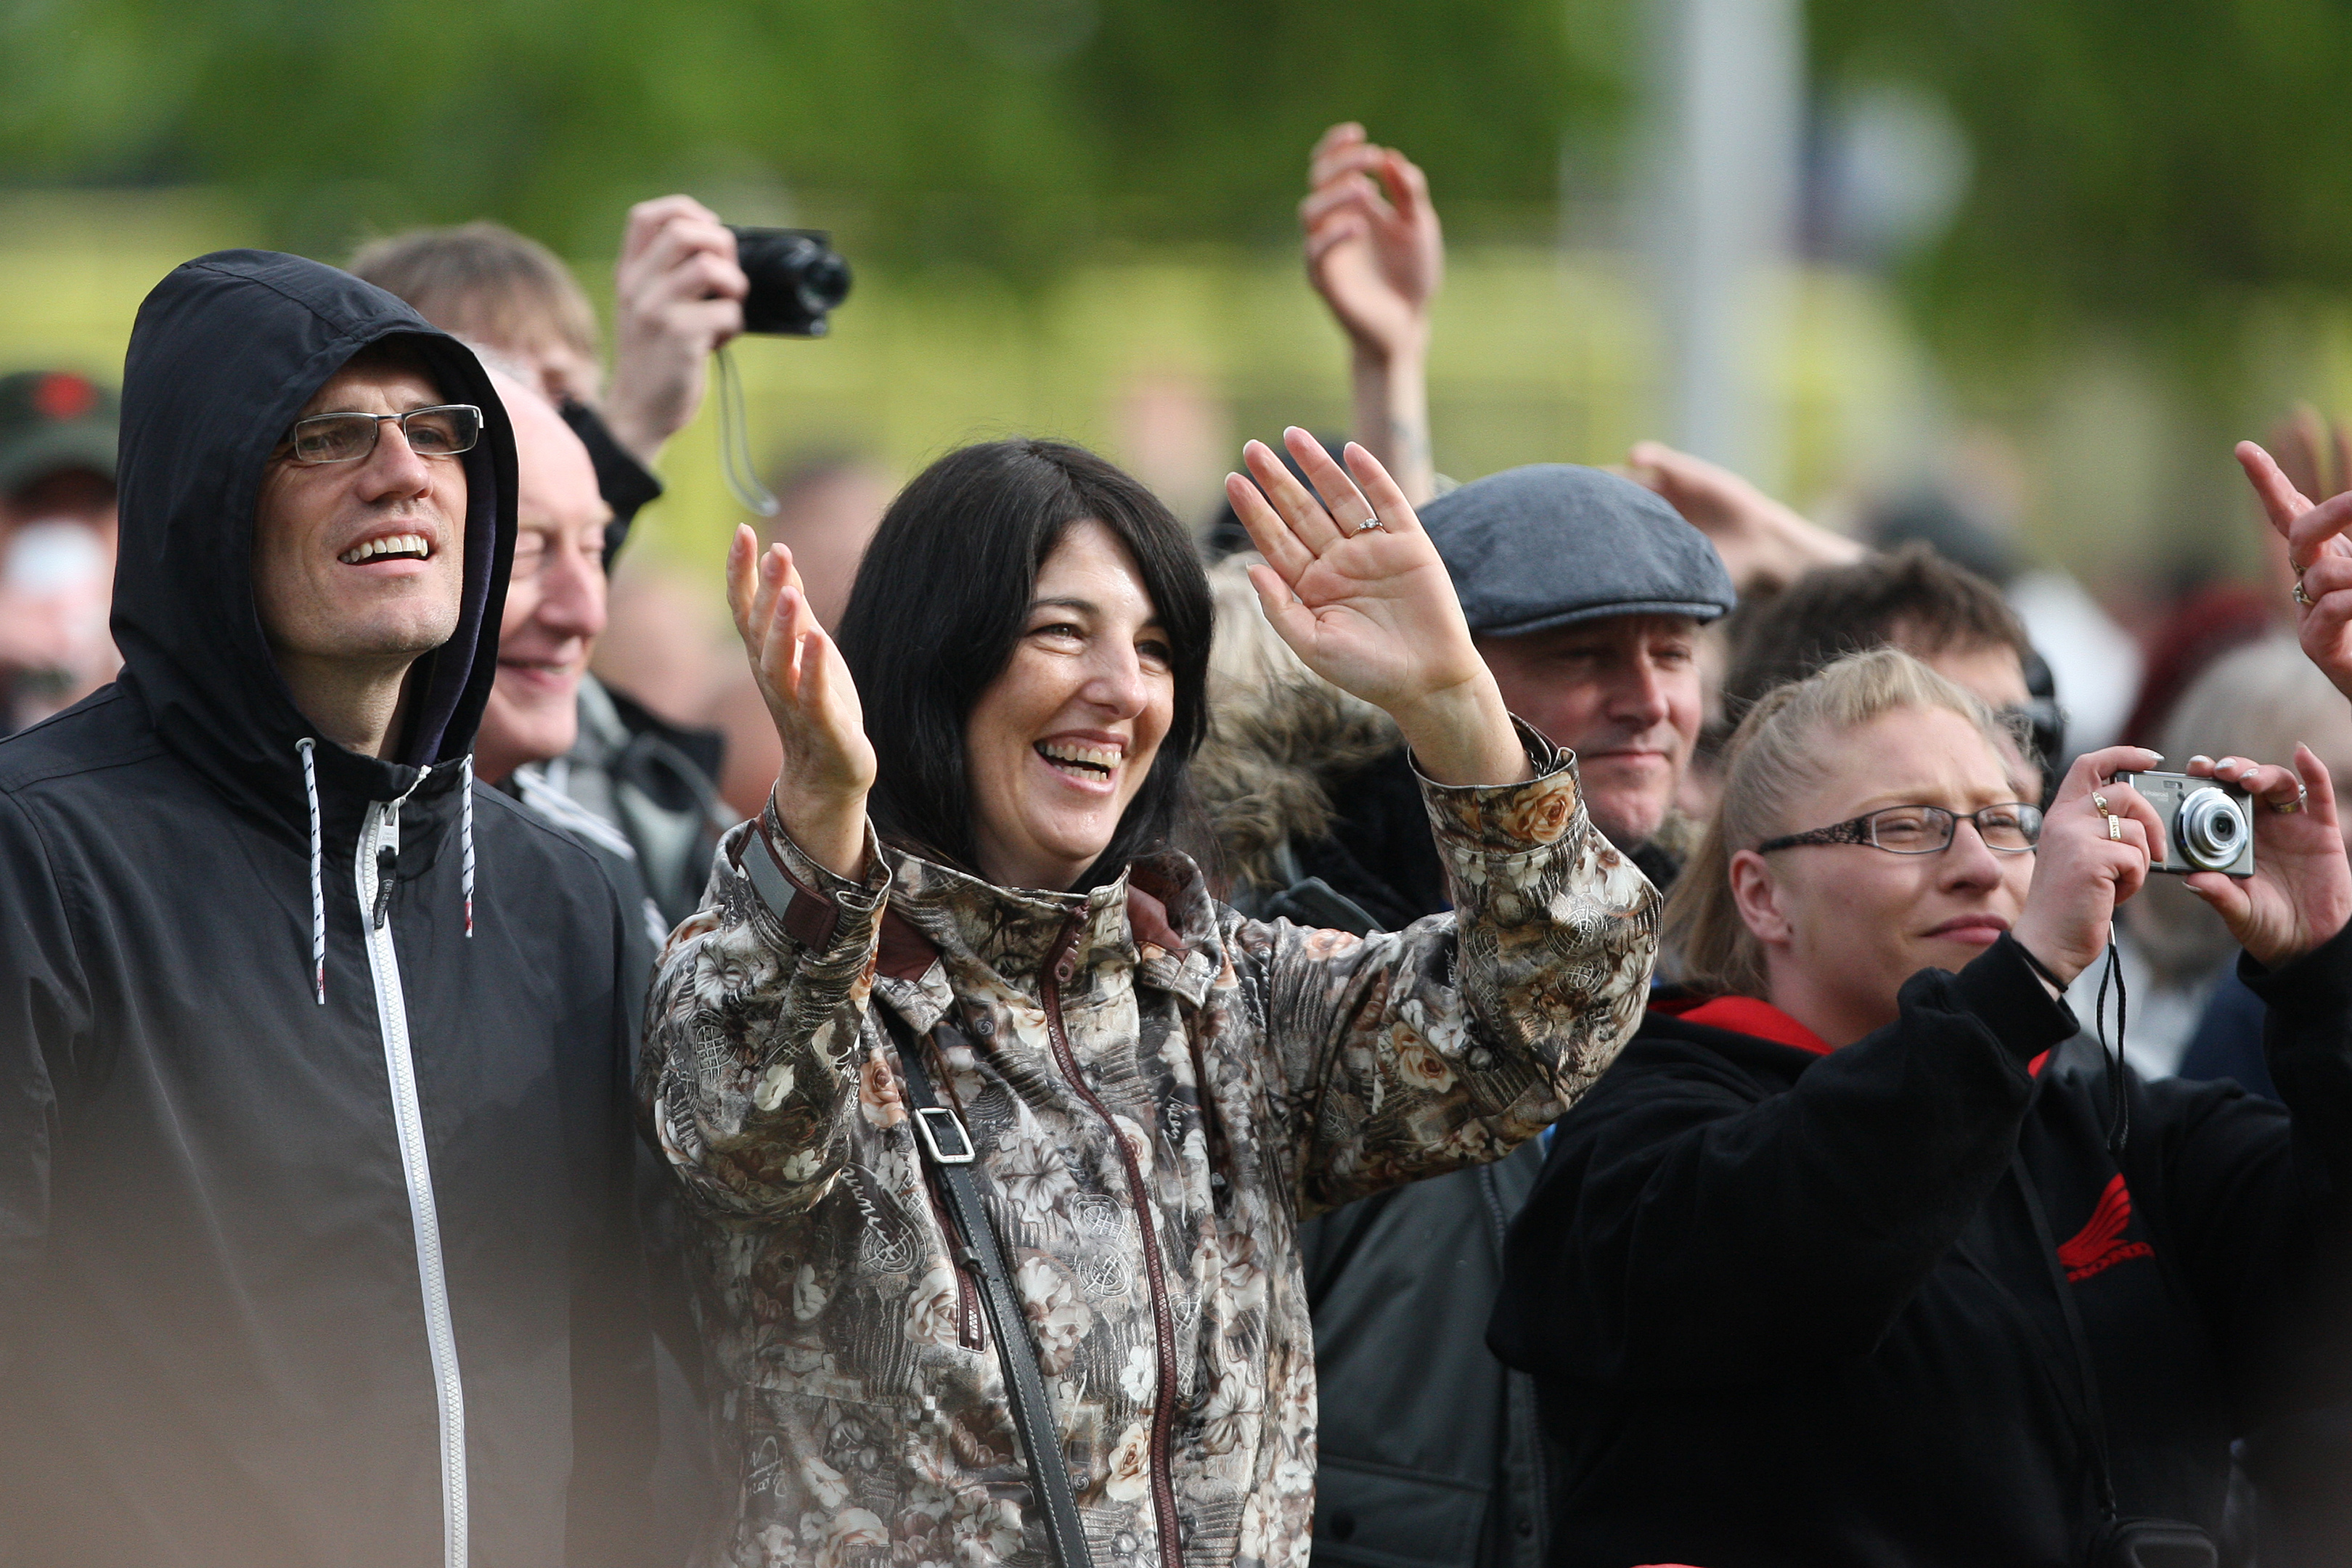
[1507, 820]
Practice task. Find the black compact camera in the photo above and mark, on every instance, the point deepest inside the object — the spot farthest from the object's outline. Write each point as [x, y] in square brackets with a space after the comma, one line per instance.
[796, 278]
[2207, 826]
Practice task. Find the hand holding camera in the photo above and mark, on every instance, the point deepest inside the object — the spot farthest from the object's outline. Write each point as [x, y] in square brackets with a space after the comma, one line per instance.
[2097, 840]
[678, 296]
[2295, 891]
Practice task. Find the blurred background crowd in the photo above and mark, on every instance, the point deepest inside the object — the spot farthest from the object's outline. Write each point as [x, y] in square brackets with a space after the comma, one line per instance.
[2007, 283]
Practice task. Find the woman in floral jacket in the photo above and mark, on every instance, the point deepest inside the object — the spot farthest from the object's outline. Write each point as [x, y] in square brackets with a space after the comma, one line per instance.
[1158, 1088]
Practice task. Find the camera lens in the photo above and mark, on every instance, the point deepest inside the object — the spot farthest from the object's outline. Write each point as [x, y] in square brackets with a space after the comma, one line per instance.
[796, 278]
[2211, 830]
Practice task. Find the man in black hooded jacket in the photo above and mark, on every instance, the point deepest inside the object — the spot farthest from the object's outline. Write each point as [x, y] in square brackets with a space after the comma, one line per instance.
[315, 1234]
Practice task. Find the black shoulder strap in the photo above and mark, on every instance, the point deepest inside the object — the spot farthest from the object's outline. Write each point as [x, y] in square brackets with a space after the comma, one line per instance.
[947, 1150]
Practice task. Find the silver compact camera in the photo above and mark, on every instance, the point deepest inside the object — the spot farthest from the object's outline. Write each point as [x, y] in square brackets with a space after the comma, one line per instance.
[2208, 826]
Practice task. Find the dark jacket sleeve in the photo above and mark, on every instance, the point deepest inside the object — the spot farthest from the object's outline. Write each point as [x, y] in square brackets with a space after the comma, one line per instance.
[1695, 1227]
[44, 1011]
[2258, 1200]
[614, 1426]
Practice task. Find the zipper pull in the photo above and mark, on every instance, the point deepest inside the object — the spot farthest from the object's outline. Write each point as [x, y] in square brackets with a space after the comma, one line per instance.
[387, 863]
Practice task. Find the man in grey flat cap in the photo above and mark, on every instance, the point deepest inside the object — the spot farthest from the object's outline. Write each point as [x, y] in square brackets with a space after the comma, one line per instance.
[1585, 593]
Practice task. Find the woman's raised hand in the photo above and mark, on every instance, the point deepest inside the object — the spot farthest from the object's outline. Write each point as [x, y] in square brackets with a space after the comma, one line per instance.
[828, 767]
[1353, 584]
[2082, 868]
[2320, 557]
[2301, 892]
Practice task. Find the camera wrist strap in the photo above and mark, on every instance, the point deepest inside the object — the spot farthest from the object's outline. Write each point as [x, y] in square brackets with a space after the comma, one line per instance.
[2118, 1127]
[735, 443]
[947, 1148]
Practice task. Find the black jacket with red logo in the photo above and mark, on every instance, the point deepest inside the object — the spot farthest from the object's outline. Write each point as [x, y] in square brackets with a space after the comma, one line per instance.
[1787, 1306]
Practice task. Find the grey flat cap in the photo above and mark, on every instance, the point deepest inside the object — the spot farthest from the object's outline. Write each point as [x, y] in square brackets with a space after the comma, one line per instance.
[1553, 544]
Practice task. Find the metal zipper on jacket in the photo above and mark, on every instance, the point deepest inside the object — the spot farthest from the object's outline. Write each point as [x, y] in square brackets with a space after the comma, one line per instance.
[1058, 971]
[378, 862]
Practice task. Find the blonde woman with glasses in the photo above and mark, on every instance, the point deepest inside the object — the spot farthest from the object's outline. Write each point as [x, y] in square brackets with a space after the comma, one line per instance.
[1839, 1266]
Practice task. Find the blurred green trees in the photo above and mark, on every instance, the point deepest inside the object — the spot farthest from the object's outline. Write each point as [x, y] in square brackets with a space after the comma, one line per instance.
[1015, 134]
[2130, 159]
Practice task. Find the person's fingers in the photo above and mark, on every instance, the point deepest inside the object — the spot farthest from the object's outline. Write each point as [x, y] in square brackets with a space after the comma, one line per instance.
[2142, 827]
[2299, 439]
[2281, 502]
[1333, 146]
[2329, 574]
[1355, 194]
[787, 629]
[2309, 536]
[1330, 235]
[2269, 781]
[2323, 629]
[684, 265]
[2224, 894]
[1347, 506]
[2093, 769]
[649, 220]
[2318, 786]
[1408, 187]
[1266, 529]
[1291, 620]
[742, 550]
[1308, 520]
[1387, 498]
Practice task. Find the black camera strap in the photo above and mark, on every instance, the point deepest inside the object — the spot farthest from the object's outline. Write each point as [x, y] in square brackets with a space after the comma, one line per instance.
[954, 1163]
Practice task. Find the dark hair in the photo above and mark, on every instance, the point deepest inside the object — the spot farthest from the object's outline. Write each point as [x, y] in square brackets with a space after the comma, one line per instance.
[1912, 598]
[940, 602]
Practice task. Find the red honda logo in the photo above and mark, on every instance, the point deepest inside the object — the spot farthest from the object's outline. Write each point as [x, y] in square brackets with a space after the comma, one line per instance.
[2101, 1246]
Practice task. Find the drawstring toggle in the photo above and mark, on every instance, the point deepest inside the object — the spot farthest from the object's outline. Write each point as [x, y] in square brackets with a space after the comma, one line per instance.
[387, 863]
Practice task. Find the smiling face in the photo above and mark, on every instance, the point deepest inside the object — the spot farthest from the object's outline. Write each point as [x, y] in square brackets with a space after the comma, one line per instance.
[1622, 693]
[1843, 925]
[556, 598]
[361, 564]
[1063, 736]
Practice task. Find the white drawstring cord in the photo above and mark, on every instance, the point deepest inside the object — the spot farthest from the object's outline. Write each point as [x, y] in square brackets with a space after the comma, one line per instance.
[317, 894]
[465, 841]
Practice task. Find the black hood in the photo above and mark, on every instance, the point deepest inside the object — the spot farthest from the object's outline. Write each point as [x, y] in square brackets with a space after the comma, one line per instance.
[224, 353]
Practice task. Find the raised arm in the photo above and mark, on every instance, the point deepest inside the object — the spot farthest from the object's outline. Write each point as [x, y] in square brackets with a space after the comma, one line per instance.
[752, 1049]
[1410, 1053]
[1376, 255]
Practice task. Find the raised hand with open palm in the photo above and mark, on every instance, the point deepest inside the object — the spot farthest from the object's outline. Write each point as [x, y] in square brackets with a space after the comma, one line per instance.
[1356, 588]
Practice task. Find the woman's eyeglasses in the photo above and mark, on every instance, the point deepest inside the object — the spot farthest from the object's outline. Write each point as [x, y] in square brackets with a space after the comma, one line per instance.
[440, 432]
[2008, 829]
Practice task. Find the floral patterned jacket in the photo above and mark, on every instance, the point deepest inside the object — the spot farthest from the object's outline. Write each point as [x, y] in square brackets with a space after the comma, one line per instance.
[1159, 1089]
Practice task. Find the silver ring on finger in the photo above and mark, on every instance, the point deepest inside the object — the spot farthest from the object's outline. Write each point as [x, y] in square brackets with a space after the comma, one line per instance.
[2099, 804]
[1368, 526]
[2300, 597]
[2289, 807]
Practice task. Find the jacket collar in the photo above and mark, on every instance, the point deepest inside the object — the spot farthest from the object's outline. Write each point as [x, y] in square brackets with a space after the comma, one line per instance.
[1155, 917]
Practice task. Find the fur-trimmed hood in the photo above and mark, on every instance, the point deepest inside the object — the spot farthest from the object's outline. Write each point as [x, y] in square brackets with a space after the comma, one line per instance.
[1266, 771]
